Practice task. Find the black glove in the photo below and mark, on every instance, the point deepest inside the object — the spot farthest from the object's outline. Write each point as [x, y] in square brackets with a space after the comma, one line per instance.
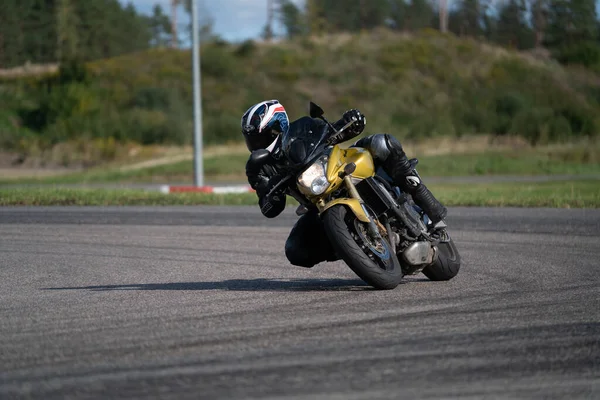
[273, 204]
[278, 194]
[353, 130]
[355, 115]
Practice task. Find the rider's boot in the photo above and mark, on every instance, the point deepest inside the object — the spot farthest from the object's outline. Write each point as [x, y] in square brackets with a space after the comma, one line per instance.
[402, 172]
[422, 196]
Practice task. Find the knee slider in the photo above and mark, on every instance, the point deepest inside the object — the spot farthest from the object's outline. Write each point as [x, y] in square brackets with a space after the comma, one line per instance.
[376, 145]
[397, 163]
[393, 144]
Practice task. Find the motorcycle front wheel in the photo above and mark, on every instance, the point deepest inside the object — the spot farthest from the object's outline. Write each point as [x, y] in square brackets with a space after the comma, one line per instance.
[371, 259]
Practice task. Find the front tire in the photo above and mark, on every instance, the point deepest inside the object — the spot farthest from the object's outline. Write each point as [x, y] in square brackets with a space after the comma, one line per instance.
[447, 264]
[380, 272]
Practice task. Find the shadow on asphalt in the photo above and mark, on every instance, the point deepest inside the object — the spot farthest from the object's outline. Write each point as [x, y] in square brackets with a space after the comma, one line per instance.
[250, 285]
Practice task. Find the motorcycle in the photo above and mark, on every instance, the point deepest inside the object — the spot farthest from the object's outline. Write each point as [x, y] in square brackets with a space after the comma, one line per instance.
[379, 232]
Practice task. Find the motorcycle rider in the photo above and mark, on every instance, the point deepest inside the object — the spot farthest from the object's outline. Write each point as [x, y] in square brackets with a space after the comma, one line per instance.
[263, 126]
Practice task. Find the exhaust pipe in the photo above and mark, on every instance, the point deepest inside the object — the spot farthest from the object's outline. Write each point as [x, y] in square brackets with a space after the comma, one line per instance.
[419, 253]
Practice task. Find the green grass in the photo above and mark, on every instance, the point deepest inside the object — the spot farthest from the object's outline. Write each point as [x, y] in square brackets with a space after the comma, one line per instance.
[557, 194]
[504, 163]
[568, 161]
[113, 197]
[563, 194]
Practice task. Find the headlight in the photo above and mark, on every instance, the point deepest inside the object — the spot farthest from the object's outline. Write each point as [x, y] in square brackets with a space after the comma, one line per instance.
[313, 178]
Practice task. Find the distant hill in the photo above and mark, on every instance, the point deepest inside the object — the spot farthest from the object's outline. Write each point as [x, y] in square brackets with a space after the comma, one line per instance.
[413, 86]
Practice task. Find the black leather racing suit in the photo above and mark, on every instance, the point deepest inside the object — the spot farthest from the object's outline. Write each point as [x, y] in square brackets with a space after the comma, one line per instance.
[307, 244]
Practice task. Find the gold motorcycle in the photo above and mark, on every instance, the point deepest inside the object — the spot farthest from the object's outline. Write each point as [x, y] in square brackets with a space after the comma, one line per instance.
[372, 225]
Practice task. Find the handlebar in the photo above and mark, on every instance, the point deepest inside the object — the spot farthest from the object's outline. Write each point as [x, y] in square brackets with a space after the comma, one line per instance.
[337, 135]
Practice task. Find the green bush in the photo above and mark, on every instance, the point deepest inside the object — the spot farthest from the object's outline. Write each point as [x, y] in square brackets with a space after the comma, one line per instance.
[152, 126]
[586, 54]
[151, 98]
[222, 128]
[219, 62]
[12, 135]
[533, 124]
[506, 107]
[246, 49]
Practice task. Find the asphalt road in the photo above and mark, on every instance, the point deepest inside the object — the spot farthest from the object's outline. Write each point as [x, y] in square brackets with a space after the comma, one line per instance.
[200, 302]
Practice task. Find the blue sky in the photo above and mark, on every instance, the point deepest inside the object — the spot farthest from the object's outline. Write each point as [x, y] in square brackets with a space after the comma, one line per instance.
[234, 20]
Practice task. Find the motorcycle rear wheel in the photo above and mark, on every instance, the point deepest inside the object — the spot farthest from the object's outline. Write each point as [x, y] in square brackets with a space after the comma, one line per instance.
[447, 264]
[374, 263]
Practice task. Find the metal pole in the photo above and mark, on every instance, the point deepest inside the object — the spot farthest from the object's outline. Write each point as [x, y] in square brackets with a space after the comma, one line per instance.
[198, 164]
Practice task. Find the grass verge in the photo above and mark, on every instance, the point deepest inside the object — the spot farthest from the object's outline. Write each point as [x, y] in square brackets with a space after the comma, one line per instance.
[577, 160]
[563, 194]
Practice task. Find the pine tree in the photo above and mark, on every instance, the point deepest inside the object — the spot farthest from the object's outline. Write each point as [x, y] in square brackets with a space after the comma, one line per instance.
[316, 17]
[419, 15]
[160, 27]
[512, 28]
[571, 22]
[469, 15]
[39, 30]
[291, 17]
[11, 33]
[66, 30]
[346, 15]
[572, 32]
[398, 10]
[137, 29]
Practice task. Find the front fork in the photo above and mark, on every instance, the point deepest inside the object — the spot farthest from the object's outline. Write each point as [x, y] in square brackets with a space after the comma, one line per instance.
[372, 228]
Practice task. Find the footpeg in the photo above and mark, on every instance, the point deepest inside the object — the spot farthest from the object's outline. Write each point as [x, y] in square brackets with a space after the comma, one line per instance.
[438, 226]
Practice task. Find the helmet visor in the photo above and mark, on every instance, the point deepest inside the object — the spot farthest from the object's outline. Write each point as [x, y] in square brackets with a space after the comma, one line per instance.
[260, 140]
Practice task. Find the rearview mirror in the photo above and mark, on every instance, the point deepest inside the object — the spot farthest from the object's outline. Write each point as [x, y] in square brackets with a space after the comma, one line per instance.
[315, 111]
[259, 157]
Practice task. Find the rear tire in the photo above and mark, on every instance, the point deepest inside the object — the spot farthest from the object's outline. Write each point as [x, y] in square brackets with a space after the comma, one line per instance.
[447, 264]
[340, 228]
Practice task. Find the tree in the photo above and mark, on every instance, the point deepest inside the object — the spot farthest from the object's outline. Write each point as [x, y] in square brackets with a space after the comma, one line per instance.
[39, 30]
[11, 33]
[539, 20]
[136, 28]
[346, 15]
[571, 22]
[469, 15]
[66, 30]
[572, 32]
[43, 31]
[372, 13]
[512, 28]
[316, 17]
[160, 26]
[291, 17]
[419, 15]
[397, 14]
[106, 29]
